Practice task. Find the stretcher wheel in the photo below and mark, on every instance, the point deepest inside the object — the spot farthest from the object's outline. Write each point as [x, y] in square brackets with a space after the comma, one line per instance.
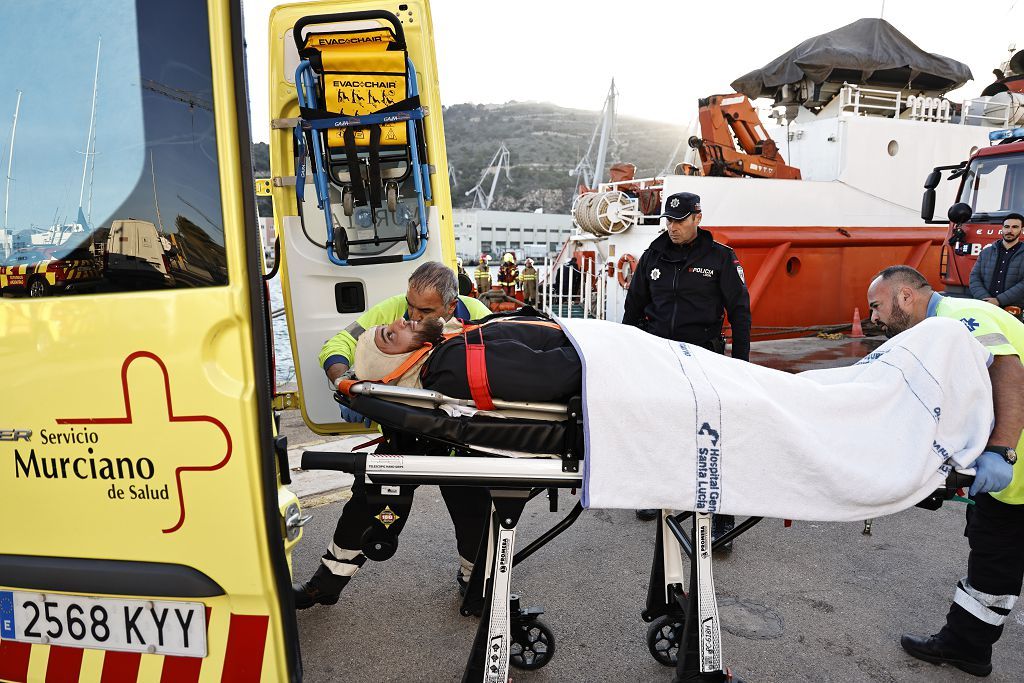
[412, 237]
[377, 546]
[347, 200]
[391, 190]
[533, 645]
[340, 238]
[663, 636]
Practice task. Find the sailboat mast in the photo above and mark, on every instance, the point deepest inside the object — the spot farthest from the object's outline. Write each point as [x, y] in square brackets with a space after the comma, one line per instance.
[607, 130]
[10, 159]
[92, 122]
[156, 201]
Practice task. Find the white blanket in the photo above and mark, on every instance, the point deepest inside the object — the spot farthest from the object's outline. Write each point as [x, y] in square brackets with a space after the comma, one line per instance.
[669, 425]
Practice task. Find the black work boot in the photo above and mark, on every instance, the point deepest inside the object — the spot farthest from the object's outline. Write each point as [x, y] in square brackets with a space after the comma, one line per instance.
[322, 588]
[938, 650]
[646, 514]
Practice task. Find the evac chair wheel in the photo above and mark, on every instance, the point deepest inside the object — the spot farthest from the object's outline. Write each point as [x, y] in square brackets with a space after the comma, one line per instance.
[340, 238]
[391, 190]
[347, 200]
[533, 645]
[412, 237]
[663, 636]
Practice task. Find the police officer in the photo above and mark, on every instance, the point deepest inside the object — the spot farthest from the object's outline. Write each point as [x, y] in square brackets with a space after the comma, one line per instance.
[683, 285]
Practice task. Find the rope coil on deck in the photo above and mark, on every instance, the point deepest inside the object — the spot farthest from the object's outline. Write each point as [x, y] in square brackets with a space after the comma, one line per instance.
[605, 213]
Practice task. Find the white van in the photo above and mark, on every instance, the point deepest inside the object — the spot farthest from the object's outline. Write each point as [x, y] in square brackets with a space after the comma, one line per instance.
[135, 251]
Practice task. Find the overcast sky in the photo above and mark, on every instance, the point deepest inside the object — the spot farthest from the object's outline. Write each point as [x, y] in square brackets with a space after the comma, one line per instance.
[663, 54]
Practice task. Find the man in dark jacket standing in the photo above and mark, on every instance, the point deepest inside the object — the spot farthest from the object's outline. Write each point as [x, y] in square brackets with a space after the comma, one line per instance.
[998, 275]
[683, 285]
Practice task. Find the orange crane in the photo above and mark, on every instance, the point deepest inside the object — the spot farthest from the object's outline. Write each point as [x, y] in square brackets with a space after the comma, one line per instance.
[735, 143]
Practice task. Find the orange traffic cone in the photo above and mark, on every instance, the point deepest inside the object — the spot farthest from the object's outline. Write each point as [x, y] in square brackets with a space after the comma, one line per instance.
[857, 331]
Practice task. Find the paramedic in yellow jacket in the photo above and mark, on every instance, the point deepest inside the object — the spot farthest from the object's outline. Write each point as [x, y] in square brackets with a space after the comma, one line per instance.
[432, 293]
[899, 298]
[508, 274]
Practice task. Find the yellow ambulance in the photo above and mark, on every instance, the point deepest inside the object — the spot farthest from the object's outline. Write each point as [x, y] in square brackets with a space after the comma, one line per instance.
[147, 521]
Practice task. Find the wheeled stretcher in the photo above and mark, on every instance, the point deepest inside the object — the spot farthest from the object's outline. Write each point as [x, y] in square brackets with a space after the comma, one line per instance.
[361, 130]
[537, 448]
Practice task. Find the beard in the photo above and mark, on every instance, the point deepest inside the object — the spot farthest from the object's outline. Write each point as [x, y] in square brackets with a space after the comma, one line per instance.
[429, 331]
[899, 321]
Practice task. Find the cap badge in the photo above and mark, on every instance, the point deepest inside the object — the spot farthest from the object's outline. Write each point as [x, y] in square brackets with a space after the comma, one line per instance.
[674, 203]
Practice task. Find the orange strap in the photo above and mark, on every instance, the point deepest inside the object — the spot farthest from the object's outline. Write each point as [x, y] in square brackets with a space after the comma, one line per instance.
[413, 358]
[345, 386]
[476, 371]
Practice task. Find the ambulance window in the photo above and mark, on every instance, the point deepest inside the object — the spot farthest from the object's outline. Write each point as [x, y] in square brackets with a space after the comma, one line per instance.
[106, 116]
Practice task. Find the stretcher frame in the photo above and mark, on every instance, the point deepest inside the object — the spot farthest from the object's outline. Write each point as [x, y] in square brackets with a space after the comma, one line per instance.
[512, 483]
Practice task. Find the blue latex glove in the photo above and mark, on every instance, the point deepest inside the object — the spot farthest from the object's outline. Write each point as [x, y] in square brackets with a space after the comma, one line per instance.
[993, 473]
[349, 415]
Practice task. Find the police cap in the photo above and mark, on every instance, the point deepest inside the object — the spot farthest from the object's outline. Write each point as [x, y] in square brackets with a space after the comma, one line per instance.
[680, 205]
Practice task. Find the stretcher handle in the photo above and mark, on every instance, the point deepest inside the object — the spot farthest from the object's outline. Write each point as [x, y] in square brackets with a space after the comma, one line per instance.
[960, 479]
[347, 17]
[353, 463]
[436, 398]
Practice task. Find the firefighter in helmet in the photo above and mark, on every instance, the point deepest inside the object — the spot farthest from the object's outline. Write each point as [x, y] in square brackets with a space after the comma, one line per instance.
[482, 275]
[528, 278]
[508, 274]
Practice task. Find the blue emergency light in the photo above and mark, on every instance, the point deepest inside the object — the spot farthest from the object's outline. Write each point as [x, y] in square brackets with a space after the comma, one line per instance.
[1006, 134]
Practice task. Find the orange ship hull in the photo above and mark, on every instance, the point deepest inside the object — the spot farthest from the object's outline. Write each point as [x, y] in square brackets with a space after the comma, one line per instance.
[802, 278]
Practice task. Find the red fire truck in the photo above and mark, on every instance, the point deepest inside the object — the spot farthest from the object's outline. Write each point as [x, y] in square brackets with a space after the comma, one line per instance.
[991, 186]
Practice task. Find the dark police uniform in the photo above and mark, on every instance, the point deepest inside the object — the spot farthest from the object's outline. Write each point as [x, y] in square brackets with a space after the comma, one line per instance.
[681, 292]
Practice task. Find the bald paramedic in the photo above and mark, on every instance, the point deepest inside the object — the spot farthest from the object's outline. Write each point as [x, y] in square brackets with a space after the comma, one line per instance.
[432, 293]
[899, 298]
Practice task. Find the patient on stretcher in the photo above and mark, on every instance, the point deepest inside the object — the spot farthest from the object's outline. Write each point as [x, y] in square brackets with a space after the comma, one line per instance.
[528, 358]
[672, 426]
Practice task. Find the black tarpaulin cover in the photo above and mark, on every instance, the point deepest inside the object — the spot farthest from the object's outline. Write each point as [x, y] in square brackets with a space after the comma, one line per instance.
[868, 51]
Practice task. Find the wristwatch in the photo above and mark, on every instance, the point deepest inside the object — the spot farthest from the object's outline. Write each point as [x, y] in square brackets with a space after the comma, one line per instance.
[1008, 453]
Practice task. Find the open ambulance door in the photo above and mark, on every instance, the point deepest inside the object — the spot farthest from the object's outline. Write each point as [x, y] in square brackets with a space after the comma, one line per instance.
[370, 201]
[144, 534]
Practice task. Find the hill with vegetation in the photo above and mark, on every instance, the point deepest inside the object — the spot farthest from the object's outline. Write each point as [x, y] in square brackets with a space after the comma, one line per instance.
[545, 144]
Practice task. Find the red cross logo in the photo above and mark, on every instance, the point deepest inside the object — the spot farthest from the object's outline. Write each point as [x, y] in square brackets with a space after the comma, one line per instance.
[171, 431]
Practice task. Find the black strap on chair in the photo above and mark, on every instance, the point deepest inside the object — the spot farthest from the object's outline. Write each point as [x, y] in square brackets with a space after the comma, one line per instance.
[375, 180]
[354, 170]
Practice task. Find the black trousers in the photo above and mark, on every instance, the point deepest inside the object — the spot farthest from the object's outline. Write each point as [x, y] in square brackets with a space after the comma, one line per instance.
[995, 569]
[469, 508]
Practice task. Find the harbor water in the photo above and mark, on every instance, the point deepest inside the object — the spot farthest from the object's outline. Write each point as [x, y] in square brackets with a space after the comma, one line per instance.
[285, 365]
